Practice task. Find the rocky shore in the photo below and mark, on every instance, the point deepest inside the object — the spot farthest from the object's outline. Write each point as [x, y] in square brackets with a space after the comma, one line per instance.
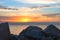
[51, 32]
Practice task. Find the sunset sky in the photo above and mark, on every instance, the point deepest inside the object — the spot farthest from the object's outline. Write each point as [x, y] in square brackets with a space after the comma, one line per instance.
[30, 11]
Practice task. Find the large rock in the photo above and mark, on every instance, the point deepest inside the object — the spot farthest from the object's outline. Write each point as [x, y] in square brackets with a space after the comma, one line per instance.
[13, 37]
[31, 33]
[52, 30]
[47, 38]
[4, 31]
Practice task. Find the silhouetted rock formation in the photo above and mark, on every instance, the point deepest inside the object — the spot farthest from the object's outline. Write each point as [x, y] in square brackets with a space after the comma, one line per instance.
[31, 33]
[36, 33]
[52, 31]
[4, 31]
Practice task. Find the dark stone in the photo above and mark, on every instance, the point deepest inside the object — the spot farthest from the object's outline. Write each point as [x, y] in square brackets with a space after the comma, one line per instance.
[13, 37]
[58, 39]
[21, 36]
[34, 31]
[31, 33]
[4, 31]
[47, 38]
[52, 31]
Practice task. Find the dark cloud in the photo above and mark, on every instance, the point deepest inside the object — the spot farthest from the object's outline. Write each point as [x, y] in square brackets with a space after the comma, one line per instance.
[52, 15]
[40, 6]
[5, 18]
[5, 7]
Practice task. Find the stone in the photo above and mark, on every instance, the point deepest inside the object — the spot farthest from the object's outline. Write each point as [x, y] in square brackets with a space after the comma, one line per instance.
[13, 37]
[4, 31]
[47, 38]
[31, 33]
[52, 30]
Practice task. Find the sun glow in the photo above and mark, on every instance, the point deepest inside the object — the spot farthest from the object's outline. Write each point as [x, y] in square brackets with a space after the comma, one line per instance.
[25, 20]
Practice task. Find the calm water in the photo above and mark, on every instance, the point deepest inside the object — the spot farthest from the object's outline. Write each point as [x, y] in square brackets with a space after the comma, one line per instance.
[16, 29]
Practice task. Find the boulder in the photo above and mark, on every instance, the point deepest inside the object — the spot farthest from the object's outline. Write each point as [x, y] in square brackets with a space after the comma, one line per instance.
[4, 31]
[13, 37]
[34, 31]
[53, 31]
[47, 38]
[31, 33]
[21, 36]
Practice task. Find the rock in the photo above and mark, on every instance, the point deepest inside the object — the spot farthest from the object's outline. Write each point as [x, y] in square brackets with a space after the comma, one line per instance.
[58, 39]
[21, 36]
[47, 38]
[4, 31]
[31, 33]
[13, 37]
[52, 31]
[34, 31]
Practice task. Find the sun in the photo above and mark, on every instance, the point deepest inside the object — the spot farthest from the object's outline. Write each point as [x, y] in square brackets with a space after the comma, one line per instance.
[25, 20]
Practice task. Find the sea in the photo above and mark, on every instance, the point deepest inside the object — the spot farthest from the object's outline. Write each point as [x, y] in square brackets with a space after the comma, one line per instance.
[17, 27]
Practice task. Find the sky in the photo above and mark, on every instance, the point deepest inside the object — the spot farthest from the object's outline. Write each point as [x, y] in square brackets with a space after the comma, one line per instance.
[30, 11]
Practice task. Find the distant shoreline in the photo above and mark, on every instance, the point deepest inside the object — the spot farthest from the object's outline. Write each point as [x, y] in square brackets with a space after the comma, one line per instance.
[34, 23]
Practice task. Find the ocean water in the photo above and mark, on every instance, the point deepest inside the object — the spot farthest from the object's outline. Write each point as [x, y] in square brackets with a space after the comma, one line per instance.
[16, 28]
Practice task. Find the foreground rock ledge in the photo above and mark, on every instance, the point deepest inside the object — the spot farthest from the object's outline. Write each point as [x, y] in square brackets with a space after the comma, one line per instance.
[30, 33]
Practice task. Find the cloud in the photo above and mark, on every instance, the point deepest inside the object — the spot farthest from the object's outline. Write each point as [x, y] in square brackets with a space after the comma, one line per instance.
[41, 18]
[27, 11]
[5, 18]
[52, 15]
[38, 1]
[31, 11]
[7, 13]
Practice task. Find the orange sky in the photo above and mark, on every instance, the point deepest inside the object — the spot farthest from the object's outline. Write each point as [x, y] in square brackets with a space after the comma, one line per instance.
[30, 19]
[27, 14]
